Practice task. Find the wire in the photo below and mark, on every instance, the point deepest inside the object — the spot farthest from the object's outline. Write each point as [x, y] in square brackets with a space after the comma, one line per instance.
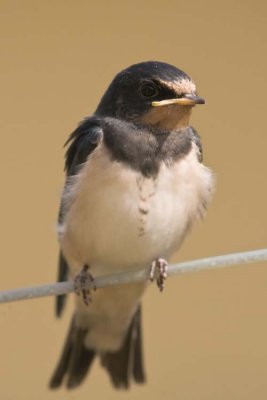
[135, 276]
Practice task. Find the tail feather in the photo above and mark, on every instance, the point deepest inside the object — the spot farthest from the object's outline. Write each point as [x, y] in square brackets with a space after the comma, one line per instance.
[80, 361]
[138, 363]
[122, 366]
[75, 359]
[127, 362]
[118, 364]
[61, 368]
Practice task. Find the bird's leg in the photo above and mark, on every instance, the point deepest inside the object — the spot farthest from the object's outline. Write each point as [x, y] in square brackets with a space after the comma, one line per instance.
[82, 281]
[158, 271]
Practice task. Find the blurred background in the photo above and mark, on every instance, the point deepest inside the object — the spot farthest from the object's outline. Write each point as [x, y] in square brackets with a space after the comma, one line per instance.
[205, 336]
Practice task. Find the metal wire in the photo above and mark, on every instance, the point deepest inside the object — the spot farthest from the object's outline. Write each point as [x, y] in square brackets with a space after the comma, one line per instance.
[135, 276]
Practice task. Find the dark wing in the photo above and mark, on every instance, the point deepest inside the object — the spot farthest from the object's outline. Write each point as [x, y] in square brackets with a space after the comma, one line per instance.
[80, 144]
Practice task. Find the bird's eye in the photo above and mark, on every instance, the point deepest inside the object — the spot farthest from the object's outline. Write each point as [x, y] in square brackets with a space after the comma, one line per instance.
[149, 90]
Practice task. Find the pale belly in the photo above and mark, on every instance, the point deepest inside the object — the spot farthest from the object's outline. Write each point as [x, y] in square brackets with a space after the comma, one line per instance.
[119, 220]
[116, 220]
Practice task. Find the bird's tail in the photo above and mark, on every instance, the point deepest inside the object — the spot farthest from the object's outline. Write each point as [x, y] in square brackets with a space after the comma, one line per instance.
[124, 365]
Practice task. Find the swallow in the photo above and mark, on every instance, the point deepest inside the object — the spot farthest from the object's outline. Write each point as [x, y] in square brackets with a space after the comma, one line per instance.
[135, 184]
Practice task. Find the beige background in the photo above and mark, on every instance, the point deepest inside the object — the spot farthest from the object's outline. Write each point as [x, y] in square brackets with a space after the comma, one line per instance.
[205, 336]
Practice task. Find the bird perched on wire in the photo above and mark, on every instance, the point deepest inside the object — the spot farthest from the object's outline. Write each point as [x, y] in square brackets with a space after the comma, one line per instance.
[135, 184]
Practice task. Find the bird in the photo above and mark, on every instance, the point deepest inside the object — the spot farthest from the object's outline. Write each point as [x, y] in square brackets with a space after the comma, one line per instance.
[135, 185]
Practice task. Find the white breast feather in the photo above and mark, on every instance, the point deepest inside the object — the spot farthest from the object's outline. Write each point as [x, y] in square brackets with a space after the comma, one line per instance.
[105, 228]
[102, 225]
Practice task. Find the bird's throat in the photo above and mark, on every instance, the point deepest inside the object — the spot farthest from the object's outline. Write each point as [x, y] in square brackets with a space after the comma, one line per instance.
[168, 118]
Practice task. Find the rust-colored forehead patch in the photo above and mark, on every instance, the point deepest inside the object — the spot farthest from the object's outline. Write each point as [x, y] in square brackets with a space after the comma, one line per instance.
[181, 86]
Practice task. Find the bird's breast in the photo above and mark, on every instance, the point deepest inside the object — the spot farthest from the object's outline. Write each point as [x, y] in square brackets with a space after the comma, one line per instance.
[116, 218]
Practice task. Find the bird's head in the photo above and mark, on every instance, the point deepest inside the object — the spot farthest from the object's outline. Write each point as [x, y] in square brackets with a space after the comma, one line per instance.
[153, 93]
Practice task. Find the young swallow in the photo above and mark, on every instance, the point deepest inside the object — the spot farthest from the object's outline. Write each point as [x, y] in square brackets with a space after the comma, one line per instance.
[135, 184]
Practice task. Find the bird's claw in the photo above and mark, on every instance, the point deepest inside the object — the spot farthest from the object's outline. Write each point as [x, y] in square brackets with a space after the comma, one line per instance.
[82, 282]
[158, 271]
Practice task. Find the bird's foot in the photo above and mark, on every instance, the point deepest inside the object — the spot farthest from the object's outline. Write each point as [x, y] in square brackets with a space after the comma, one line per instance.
[158, 271]
[82, 282]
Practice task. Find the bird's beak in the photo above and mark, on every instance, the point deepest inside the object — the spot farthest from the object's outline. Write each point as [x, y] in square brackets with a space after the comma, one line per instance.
[187, 100]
